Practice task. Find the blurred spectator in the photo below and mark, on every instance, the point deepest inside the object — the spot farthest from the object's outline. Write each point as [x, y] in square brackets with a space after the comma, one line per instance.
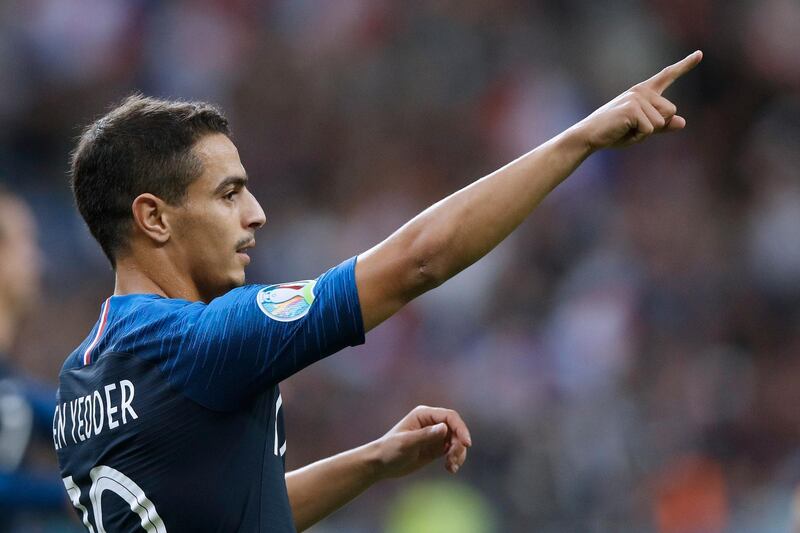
[27, 489]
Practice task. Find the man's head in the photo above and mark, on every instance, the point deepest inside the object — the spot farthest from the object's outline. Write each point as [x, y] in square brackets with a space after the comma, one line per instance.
[20, 266]
[163, 179]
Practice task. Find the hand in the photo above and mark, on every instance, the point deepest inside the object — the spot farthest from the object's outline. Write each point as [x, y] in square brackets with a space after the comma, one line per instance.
[639, 112]
[423, 435]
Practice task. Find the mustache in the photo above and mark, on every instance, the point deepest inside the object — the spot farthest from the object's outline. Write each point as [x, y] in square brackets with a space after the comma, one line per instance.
[245, 242]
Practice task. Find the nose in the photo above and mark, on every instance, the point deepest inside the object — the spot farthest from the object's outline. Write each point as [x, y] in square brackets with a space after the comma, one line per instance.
[254, 214]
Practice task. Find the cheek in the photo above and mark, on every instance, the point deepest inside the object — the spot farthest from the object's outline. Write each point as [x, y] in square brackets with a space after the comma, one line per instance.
[194, 230]
[207, 239]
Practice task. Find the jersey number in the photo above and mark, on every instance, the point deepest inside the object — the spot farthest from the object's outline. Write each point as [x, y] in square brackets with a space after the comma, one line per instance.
[106, 478]
[279, 449]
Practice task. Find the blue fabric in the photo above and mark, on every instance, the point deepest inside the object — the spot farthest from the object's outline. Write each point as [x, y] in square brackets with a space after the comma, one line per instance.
[22, 489]
[222, 353]
[182, 399]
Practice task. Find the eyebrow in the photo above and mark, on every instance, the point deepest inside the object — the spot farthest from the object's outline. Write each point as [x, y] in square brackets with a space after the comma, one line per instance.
[239, 181]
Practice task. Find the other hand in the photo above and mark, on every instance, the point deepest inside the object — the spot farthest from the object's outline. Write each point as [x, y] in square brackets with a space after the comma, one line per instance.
[425, 434]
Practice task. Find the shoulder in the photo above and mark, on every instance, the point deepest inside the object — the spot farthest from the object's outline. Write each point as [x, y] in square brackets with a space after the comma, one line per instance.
[134, 324]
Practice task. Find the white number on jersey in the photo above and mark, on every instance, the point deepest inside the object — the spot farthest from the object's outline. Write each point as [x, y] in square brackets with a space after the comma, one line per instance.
[106, 478]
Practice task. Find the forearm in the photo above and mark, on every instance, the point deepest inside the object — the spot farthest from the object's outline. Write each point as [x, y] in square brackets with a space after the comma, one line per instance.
[317, 490]
[457, 231]
[426, 433]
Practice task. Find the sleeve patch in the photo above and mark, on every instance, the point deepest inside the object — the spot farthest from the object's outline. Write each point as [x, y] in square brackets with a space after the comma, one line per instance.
[287, 302]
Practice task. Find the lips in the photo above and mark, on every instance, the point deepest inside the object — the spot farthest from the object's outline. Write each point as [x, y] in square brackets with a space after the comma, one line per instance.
[243, 249]
[241, 252]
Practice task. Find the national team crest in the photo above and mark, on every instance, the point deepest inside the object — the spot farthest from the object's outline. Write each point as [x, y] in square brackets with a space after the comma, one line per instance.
[287, 301]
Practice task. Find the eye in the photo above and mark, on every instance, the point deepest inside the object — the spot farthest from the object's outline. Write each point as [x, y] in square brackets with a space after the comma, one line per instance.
[230, 195]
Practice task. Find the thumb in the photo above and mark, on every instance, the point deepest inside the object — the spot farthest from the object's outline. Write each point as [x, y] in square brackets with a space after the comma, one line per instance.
[440, 429]
[436, 432]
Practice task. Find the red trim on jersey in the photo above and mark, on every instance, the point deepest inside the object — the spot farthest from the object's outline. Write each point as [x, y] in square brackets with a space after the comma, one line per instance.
[103, 320]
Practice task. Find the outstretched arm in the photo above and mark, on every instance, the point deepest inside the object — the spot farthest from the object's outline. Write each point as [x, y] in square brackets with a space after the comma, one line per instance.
[317, 490]
[457, 231]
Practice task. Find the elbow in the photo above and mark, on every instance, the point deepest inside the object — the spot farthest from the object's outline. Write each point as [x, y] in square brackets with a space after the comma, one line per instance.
[428, 269]
[426, 277]
[423, 255]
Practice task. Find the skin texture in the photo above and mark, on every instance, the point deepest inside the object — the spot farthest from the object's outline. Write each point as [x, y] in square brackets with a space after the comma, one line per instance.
[189, 251]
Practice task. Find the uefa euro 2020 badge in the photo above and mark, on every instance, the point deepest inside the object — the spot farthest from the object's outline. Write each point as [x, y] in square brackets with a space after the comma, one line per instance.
[287, 301]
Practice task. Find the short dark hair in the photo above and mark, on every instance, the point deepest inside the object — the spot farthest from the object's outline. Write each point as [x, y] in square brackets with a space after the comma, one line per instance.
[143, 145]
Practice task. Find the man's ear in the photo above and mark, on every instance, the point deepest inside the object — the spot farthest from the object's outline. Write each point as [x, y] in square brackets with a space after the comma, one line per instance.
[148, 215]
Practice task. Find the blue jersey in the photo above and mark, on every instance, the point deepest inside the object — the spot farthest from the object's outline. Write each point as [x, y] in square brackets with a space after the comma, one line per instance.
[169, 416]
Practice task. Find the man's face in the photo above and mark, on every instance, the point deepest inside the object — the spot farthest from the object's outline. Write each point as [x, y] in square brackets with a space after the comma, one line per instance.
[216, 224]
[20, 258]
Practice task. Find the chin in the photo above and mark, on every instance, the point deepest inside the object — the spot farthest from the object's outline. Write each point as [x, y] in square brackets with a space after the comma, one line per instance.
[221, 287]
[238, 280]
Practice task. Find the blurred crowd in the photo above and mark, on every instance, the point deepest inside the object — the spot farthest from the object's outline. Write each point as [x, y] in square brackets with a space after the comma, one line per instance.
[627, 361]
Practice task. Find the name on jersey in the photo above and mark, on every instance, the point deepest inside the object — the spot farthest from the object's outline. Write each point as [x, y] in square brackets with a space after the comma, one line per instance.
[102, 410]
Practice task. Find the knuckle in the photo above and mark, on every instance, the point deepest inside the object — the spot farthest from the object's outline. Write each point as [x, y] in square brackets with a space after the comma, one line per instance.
[666, 106]
[403, 444]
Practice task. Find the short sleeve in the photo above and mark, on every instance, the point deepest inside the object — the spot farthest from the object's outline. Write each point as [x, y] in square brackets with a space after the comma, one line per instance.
[255, 336]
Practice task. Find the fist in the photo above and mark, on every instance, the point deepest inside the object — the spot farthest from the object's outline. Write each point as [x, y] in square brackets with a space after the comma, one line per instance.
[423, 435]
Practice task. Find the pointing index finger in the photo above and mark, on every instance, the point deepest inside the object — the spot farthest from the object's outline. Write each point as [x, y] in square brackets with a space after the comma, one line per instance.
[668, 75]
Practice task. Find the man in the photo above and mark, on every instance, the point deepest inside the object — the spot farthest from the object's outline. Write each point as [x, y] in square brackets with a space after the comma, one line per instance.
[172, 401]
[25, 405]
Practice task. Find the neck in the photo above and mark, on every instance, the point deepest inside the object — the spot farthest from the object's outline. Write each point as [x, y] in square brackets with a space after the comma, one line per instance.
[139, 277]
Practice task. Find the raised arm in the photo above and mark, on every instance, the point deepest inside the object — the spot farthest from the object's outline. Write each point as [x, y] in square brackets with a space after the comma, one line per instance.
[317, 490]
[457, 231]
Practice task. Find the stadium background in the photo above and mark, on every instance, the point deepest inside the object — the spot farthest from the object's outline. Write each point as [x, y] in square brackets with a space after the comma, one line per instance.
[627, 361]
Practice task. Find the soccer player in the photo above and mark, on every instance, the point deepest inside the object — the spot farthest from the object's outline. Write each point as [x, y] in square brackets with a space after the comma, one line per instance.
[172, 401]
